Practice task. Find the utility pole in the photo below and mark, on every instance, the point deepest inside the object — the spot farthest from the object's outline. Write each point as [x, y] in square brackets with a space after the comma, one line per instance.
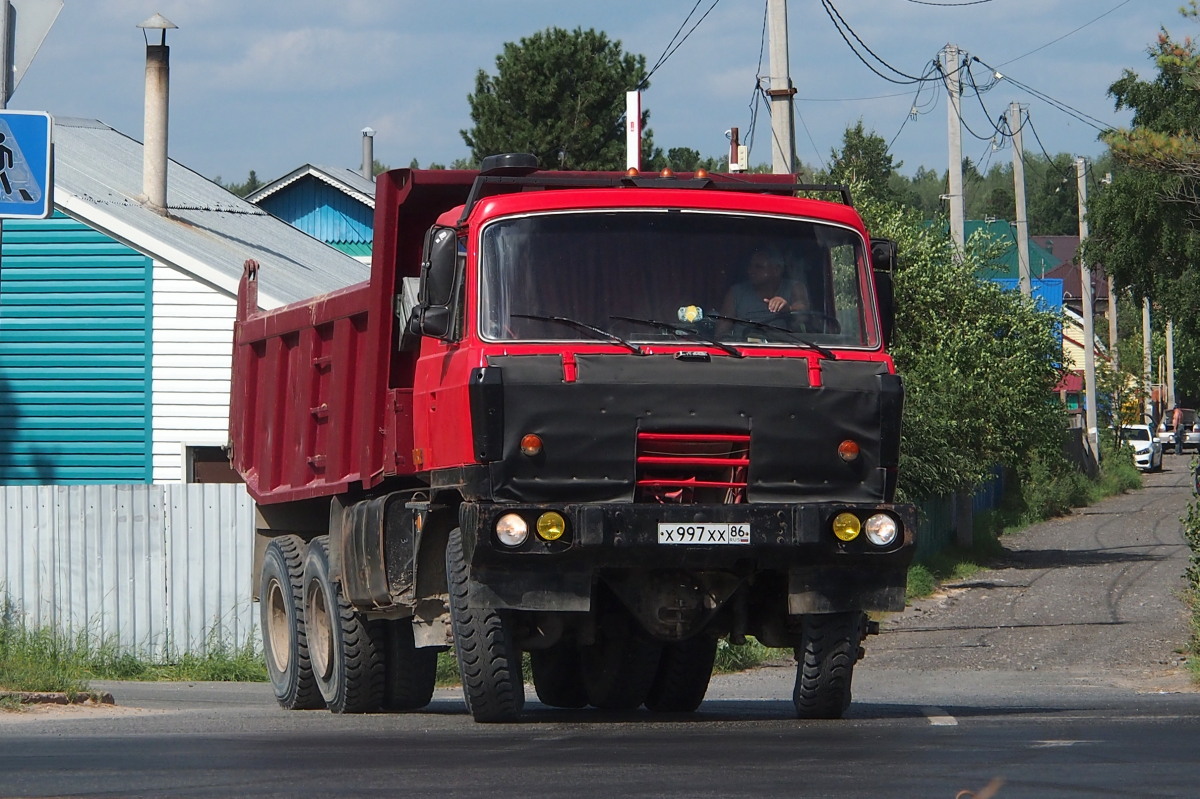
[783, 124]
[1014, 126]
[1112, 325]
[1147, 365]
[954, 136]
[1171, 397]
[1089, 322]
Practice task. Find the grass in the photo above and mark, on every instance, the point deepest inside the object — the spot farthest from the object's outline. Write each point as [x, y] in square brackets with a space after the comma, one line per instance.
[45, 660]
[1191, 533]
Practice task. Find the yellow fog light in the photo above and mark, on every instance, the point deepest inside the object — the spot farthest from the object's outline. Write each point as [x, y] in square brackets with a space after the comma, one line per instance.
[551, 526]
[846, 526]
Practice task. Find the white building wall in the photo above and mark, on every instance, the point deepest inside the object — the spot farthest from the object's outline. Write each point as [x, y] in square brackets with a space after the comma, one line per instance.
[192, 346]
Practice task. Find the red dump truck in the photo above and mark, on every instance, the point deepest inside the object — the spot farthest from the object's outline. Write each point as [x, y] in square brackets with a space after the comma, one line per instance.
[567, 417]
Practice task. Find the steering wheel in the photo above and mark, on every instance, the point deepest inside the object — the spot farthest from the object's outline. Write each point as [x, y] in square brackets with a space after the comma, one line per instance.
[817, 322]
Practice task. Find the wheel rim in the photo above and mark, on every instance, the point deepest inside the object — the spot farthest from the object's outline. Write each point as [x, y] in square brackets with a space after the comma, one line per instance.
[279, 629]
[320, 631]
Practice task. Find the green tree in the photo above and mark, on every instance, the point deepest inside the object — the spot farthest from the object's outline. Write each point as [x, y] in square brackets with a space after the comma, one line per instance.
[1143, 225]
[978, 362]
[559, 95]
[251, 185]
[865, 161]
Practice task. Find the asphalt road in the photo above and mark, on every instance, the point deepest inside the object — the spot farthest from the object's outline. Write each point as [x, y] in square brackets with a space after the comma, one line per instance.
[1055, 675]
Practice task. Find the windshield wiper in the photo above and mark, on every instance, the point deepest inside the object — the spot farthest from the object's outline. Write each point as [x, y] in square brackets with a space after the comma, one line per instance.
[683, 332]
[575, 323]
[822, 351]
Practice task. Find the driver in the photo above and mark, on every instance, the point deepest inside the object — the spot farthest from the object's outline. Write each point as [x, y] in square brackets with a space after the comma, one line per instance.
[765, 296]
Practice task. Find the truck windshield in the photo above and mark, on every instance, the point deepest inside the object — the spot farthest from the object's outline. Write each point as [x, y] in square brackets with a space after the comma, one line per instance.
[737, 278]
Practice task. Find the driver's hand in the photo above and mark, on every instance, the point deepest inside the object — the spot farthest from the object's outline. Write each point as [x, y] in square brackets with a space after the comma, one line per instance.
[776, 304]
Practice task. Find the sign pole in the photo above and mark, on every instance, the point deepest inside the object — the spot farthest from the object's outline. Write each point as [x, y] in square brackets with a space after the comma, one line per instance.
[6, 60]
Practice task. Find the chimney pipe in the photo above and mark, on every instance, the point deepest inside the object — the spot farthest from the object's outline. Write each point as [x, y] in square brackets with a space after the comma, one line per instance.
[154, 149]
[368, 158]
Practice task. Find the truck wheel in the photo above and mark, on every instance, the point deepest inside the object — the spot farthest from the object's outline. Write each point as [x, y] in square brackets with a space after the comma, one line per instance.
[411, 672]
[488, 659]
[281, 608]
[557, 675]
[620, 667]
[825, 664]
[346, 650]
[683, 674]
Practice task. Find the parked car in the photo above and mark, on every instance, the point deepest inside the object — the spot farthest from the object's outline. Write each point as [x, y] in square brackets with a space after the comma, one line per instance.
[1191, 431]
[1147, 451]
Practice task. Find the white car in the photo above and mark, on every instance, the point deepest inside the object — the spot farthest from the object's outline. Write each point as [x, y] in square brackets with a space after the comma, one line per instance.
[1147, 452]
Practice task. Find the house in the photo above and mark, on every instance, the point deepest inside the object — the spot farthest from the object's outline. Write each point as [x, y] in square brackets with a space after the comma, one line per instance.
[333, 204]
[116, 320]
[1041, 260]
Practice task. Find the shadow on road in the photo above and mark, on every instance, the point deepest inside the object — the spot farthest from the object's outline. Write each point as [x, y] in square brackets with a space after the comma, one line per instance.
[1057, 558]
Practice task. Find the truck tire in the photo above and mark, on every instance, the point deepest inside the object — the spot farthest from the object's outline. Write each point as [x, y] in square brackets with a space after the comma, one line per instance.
[411, 672]
[346, 650]
[620, 667]
[489, 661]
[683, 674]
[557, 675]
[281, 608]
[825, 664]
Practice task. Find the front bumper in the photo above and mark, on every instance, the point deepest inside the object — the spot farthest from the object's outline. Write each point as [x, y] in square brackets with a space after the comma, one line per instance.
[823, 573]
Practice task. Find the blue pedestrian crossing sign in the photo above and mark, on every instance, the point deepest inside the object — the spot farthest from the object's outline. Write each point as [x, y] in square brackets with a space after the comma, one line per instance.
[26, 164]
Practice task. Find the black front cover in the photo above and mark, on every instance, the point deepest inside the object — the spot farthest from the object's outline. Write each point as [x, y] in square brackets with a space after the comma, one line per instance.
[589, 426]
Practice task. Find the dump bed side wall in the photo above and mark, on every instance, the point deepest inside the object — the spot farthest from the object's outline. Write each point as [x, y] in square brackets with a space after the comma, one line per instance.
[294, 405]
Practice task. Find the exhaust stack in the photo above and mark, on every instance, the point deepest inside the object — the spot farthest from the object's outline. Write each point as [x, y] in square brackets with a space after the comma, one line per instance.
[368, 162]
[154, 149]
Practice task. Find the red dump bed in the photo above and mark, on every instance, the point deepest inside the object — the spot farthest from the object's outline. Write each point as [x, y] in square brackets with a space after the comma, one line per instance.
[321, 396]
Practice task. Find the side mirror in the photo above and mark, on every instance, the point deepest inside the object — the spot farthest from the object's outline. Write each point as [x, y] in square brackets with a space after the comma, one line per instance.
[434, 312]
[433, 322]
[883, 255]
[438, 267]
[885, 292]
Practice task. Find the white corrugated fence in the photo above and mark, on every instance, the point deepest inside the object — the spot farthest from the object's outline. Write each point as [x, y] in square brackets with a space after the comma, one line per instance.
[156, 569]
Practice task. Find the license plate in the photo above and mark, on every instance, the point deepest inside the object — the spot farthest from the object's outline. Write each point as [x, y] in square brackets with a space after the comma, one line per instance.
[703, 533]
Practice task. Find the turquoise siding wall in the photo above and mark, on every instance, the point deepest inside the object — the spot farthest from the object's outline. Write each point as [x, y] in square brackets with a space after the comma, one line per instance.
[75, 348]
[324, 213]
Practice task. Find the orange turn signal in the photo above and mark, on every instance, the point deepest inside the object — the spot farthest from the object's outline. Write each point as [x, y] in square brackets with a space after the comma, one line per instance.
[531, 444]
[848, 450]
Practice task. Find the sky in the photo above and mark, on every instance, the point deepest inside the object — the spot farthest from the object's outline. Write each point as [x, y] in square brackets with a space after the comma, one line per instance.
[270, 85]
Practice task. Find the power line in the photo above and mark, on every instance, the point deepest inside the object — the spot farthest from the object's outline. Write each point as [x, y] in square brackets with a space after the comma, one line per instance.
[674, 45]
[1065, 35]
[950, 5]
[915, 108]
[1087, 119]
[839, 23]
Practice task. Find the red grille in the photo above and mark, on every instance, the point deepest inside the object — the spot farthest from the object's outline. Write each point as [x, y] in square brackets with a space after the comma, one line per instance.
[692, 467]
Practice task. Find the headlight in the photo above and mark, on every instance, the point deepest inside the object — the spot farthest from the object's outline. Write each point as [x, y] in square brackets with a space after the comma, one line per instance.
[512, 530]
[846, 526]
[881, 530]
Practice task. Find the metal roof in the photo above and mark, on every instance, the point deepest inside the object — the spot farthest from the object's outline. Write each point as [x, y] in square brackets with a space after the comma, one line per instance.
[341, 178]
[207, 232]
